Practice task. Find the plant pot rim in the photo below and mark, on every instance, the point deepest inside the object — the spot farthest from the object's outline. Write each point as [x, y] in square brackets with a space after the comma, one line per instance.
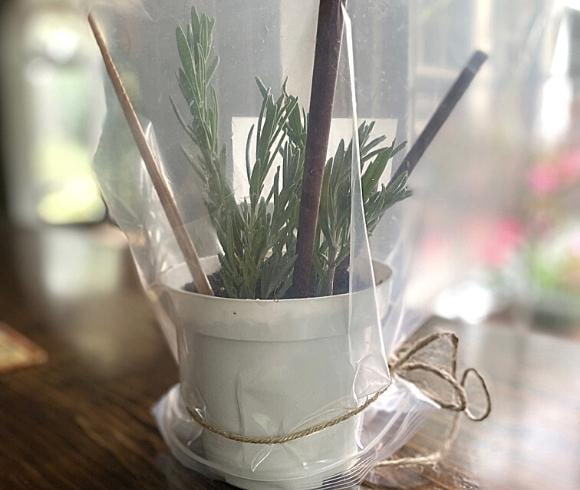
[382, 271]
[261, 320]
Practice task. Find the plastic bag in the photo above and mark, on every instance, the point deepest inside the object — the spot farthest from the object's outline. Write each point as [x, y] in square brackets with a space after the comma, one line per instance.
[275, 391]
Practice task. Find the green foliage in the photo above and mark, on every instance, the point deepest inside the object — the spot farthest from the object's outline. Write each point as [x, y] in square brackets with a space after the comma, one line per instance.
[333, 239]
[198, 64]
[258, 234]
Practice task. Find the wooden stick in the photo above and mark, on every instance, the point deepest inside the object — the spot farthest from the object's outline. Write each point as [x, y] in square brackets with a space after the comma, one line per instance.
[167, 201]
[328, 42]
[441, 114]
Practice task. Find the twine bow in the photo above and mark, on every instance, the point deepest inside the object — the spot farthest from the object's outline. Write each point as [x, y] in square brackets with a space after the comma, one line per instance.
[403, 363]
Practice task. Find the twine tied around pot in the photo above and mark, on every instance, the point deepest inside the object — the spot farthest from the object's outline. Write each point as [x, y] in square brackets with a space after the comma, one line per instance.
[404, 362]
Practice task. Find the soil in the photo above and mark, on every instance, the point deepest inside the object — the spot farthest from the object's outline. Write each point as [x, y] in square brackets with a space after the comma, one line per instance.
[216, 283]
[341, 284]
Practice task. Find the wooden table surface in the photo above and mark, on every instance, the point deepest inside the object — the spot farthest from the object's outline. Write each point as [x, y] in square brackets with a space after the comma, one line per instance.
[83, 420]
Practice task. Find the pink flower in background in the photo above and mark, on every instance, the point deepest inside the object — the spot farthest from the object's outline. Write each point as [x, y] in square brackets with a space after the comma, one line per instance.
[494, 240]
[561, 172]
[570, 167]
[544, 179]
[505, 237]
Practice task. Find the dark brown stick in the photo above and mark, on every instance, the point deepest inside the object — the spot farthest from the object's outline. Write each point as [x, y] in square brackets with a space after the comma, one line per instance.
[328, 41]
[441, 114]
[167, 201]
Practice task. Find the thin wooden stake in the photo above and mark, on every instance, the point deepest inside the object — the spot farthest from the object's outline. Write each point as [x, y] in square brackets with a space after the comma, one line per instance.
[328, 42]
[184, 242]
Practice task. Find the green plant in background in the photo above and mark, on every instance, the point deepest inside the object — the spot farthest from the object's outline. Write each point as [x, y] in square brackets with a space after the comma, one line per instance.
[258, 234]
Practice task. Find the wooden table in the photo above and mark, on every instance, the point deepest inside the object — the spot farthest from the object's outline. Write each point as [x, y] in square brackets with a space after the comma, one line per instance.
[83, 419]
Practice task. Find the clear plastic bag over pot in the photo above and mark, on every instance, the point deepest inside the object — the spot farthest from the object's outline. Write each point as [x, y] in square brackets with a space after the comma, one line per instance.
[258, 365]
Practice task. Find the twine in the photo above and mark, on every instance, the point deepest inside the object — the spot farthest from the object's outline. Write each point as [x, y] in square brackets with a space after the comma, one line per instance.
[401, 364]
[292, 436]
[426, 460]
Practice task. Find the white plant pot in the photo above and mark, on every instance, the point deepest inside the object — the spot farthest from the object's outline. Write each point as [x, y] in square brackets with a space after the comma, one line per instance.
[264, 368]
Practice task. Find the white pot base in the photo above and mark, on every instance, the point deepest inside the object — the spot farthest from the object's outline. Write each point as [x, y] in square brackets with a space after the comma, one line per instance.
[387, 426]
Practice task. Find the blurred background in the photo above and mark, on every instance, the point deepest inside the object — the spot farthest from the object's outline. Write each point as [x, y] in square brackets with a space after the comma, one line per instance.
[501, 237]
